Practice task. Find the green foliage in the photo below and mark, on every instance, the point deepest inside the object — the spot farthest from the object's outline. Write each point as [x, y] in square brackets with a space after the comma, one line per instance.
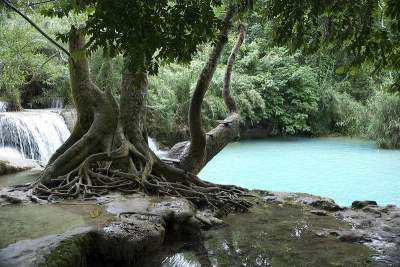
[339, 113]
[384, 127]
[145, 31]
[367, 32]
[270, 89]
[106, 71]
[286, 87]
[325, 87]
[27, 62]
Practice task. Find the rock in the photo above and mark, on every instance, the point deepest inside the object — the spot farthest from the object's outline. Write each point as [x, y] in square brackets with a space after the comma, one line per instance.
[178, 149]
[361, 204]
[364, 224]
[321, 233]
[177, 209]
[323, 204]
[70, 117]
[208, 220]
[7, 167]
[374, 210]
[388, 208]
[29, 253]
[262, 193]
[271, 199]
[319, 212]
[352, 236]
[135, 233]
[11, 199]
[11, 196]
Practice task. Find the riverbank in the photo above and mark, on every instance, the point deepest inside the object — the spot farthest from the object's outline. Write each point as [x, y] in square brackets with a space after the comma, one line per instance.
[119, 230]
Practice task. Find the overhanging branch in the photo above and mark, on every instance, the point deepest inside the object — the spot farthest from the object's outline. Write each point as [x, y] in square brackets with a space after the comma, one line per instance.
[12, 7]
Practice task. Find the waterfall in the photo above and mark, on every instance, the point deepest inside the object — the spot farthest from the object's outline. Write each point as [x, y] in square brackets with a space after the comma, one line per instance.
[155, 148]
[36, 134]
[3, 106]
[55, 104]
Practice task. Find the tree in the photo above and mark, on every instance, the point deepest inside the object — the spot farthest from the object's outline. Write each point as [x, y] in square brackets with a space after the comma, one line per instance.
[108, 147]
[366, 31]
[26, 62]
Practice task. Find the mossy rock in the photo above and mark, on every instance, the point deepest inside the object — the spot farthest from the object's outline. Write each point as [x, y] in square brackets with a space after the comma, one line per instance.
[71, 252]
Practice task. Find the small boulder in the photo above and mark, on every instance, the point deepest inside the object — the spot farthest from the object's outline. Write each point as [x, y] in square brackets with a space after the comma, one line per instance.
[319, 212]
[271, 199]
[11, 199]
[325, 205]
[362, 204]
[7, 167]
[374, 210]
[352, 236]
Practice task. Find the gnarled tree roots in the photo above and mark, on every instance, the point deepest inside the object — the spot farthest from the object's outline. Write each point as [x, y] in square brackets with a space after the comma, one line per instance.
[96, 176]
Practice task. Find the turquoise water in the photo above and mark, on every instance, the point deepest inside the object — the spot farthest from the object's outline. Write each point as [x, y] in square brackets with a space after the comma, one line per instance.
[343, 169]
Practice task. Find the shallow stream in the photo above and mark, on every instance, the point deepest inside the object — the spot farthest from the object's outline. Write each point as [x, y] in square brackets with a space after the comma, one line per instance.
[269, 236]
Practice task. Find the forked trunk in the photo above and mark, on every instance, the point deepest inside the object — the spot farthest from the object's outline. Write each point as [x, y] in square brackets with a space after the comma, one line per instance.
[107, 149]
[193, 156]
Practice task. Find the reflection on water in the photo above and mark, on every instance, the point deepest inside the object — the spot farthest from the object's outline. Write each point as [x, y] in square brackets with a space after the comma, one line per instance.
[19, 178]
[20, 222]
[270, 236]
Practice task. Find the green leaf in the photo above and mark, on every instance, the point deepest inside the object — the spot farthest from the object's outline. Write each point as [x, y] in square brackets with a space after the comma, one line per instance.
[340, 70]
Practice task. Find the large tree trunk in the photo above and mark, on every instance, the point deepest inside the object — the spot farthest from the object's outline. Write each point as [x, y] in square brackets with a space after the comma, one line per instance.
[194, 155]
[107, 149]
[96, 112]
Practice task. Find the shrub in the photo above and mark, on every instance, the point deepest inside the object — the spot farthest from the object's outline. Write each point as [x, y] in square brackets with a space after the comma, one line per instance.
[384, 127]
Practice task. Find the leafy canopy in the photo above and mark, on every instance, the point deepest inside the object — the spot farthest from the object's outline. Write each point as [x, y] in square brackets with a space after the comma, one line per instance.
[148, 32]
[367, 30]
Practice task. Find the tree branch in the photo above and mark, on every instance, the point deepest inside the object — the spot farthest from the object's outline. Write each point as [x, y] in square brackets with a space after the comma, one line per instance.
[229, 101]
[228, 130]
[197, 149]
[12, 7]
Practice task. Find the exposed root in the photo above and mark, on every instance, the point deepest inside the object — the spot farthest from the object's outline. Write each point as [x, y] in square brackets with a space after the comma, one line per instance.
[96, 177]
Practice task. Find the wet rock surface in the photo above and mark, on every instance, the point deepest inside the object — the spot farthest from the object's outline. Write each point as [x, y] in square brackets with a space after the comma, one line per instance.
[269, 235]
[374, 226]
[29, 253]
[70, 117]
[362, 204]
[8, 167]
[115, 228]
[125, 229]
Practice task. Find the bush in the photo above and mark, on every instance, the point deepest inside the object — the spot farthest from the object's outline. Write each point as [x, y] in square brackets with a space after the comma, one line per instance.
[29, 66]
[338, 113]
[384, 127]
[271, 89]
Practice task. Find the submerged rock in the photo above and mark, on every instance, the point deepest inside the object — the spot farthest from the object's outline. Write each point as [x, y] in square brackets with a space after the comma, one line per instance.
[377, 227]
[319, 212]
[352, 236]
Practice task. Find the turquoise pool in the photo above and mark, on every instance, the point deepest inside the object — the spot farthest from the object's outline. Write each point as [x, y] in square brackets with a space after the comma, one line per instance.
[343, 169]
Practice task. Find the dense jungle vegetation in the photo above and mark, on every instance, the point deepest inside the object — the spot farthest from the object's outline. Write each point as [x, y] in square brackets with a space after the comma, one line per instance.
[282, 90]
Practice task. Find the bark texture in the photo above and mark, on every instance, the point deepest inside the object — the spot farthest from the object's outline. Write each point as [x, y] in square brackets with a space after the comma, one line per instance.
[107, 149]
[193, 155]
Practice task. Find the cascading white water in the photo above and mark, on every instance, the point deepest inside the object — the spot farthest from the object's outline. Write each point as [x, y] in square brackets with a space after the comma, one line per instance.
[55, 104]
[36, 134]
[3, 106]
[155, 148]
